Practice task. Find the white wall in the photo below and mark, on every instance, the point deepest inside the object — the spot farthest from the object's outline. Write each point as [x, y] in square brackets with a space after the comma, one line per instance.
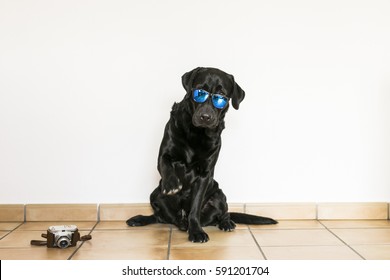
[86, 89]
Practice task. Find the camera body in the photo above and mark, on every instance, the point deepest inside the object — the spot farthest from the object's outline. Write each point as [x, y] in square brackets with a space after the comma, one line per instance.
[62, 236]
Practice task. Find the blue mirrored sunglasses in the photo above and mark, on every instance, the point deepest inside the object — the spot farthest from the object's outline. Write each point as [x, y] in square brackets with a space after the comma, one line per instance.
[219, 101]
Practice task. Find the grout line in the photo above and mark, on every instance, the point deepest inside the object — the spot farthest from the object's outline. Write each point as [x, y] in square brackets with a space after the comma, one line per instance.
[82, 242]
[257, 244]
[169, 242]
[98, 213]
[345, 243]
[11, 231]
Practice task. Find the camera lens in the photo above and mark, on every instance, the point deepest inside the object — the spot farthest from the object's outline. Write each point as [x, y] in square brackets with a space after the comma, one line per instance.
[63, 242]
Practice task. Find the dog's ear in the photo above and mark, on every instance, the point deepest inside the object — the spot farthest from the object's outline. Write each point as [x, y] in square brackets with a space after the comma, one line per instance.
[237, 95]
[188, 78]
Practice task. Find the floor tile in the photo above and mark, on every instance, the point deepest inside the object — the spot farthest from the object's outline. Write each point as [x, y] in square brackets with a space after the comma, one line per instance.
[364, 236]
[125, 244]
[18, 239]
[295, 237]
[304, 239]
[36, 253]
[356, 223]
[291, 224]
[216, 253]
[9, 226]
[310, 253]
[127, 239]
[217, 238]
[115, 225]
[43, 226]
[132, 253]
[373, 252]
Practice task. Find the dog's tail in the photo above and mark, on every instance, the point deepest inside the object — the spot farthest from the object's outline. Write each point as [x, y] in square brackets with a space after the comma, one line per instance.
[241, 218]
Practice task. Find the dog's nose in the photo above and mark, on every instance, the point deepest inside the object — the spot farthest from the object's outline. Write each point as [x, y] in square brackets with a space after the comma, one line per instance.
[205, 117]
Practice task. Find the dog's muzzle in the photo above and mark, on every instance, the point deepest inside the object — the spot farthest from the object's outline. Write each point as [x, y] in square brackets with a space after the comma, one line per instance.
[205, 116]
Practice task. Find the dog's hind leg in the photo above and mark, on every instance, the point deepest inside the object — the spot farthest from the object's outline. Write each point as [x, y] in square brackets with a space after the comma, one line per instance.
[226, 224]
[141, 220]
[215, 211]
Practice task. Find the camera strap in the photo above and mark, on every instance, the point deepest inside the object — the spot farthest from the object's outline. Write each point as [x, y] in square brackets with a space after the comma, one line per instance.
[85, 237]
[38, 242]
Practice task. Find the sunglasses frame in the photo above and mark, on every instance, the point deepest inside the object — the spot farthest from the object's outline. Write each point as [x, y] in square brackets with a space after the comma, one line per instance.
[212, 95]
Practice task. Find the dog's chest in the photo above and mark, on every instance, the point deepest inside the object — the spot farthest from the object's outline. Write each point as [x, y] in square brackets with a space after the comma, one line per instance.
[200, 147]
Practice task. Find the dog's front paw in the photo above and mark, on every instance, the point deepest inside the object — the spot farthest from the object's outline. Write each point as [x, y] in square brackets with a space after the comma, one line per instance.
[172, 191]
[171, 186]
[198, 236]
[227, 225]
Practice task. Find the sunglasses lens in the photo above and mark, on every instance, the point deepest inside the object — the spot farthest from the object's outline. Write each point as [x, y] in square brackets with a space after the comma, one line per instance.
[200, 96]
[219, 101]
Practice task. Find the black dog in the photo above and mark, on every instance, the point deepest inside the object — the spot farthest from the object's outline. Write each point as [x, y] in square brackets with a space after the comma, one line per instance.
[188, 196]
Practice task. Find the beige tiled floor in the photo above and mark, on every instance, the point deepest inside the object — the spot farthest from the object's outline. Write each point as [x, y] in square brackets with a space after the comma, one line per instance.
[290, 239]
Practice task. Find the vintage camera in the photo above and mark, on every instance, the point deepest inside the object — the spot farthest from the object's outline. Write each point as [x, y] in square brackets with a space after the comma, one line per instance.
[62, 236]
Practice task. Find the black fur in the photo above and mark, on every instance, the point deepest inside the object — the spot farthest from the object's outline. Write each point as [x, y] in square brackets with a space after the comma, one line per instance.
[187, 195]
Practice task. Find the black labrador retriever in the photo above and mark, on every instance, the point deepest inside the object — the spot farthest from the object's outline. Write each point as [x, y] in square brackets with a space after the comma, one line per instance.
[187, 195]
